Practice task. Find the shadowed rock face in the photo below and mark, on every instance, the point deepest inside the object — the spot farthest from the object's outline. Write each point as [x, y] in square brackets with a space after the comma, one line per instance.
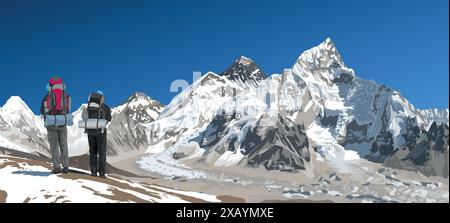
[344, 78]
[245, 73]
[329, 121]
[283, 146]
[425, 151]
[355, 133]
[214, 132]
[383, 144]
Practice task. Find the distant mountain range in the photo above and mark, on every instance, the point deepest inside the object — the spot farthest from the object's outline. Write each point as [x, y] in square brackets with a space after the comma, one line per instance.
[319, 106]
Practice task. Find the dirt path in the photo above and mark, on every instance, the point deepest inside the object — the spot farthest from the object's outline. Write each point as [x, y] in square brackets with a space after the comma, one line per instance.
[3, 196]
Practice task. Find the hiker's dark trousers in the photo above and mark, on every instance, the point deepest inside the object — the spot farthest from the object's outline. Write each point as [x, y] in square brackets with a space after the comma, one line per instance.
[57, 138]
[97, 152]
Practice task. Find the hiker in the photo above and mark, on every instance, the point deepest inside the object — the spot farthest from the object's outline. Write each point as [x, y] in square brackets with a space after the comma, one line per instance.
[55, 108]
[95, 119]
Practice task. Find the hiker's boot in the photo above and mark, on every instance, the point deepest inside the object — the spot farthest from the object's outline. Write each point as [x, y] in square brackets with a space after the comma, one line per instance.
[103, 176]
[65, 170]
[93, 174]
[56, 170]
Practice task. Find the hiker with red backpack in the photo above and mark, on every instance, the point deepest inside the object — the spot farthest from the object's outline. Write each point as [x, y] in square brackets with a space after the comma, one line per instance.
[94, 120]
[55, 108]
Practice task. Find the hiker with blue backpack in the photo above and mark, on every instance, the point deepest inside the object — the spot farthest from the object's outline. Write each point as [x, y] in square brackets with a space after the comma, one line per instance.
[55, 108]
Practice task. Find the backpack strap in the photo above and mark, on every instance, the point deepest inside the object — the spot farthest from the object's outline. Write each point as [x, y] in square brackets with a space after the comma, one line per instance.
[98, 115]
[104, 117]
[63, 101]
[52, 100]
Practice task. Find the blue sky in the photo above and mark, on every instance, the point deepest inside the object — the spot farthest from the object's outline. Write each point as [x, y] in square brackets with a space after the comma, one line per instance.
[126, 46]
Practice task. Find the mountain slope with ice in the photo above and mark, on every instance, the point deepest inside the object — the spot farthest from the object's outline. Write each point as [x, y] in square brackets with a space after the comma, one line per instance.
[190, 111]
[319, 104]
[126, 134]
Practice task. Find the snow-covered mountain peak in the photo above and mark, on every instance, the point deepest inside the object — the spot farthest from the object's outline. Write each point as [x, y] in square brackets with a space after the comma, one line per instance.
[20, 128]
[210, 76]
[142, 99]
[244, 60]
[328, 48]
[140, 107]
[138, 95]
[208, 86]
[328, 43]
[440, 116]
[244, 72]
[325, 56]
[14, 104]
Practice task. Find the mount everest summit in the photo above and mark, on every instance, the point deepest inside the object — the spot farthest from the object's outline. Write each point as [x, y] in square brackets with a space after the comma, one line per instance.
[316, 113]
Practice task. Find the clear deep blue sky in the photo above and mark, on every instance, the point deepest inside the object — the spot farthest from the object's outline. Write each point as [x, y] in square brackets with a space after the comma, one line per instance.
[126, 46]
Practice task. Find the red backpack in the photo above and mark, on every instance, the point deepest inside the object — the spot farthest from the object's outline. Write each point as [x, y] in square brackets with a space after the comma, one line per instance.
[57, 101]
